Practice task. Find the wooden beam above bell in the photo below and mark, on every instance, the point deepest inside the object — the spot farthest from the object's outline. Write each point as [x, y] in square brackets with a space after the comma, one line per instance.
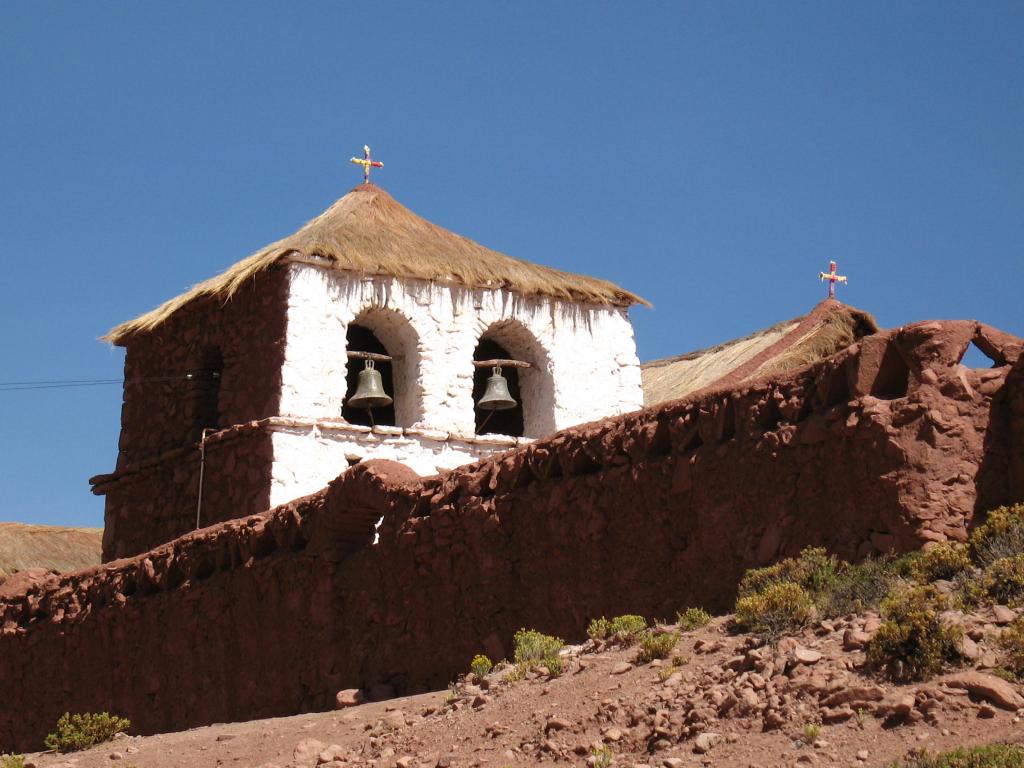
[502, 364]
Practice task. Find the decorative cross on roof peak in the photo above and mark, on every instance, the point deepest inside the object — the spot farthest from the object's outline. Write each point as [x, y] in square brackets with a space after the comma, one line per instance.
[367, 162]
[832, 278]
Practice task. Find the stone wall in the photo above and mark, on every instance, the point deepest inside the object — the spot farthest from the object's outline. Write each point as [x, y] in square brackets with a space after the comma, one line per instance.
[886, 446]
[152, 502]
[167, 402]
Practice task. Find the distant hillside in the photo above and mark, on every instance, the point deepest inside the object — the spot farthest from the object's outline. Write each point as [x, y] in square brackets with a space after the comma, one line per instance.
[47, 546]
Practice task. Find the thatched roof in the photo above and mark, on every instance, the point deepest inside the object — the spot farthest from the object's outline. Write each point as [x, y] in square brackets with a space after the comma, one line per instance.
[830, 327]
[369, 232]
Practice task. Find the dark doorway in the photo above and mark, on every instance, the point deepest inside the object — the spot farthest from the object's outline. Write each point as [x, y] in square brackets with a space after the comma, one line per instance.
[508, 422]
[361, 339]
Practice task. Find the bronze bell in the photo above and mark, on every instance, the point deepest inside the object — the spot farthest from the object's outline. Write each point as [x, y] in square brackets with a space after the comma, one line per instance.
[370, 392]
[496, 397]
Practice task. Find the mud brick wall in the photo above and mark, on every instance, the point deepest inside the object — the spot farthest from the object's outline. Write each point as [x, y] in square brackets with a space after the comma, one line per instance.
[886, 446]
[153, 502]
[163, 411]
[247, 330]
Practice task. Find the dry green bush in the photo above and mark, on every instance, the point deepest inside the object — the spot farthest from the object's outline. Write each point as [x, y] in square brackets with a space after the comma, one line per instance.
[655, 645]
[622, 629]
[692, 618]
[1011, 640]
[12, 761]
[1004, 579]
[946, 560]
[1002, 535]
[814, 571]
[988, 756]
[535, 649]
[81, 731]
[480, 666]
[777, 609]
[912, 643]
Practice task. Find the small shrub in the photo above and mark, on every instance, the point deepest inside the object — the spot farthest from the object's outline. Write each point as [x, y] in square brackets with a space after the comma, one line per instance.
[1002, 535]
[533, 649]
[655, 645]
[81, 731]
[1004, 579]
[692, 618]
[989, 756]
[1004, 674]
[621, 629]
[912, 643]
[602, 757]
[857, 588]
[480, 666]
[1011, 640]
[667, 671]
[810, 733]
[814, 571]
[12, 761]
[777, 609]
[946, 560]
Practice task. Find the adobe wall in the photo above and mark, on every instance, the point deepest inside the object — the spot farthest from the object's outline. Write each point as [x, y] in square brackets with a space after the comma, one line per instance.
[155, 501]
[646, 513]
[161, 412]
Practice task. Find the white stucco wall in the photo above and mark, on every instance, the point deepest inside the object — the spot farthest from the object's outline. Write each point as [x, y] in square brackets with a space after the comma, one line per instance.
[584, 357]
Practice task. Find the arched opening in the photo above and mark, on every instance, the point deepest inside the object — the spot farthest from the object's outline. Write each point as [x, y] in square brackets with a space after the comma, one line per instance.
[206, 392]
[532, 388]
[506, 422]
[359, 338]
[387, 332]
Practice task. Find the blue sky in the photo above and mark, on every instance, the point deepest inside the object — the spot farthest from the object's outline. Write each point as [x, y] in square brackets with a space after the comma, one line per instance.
[711, 156]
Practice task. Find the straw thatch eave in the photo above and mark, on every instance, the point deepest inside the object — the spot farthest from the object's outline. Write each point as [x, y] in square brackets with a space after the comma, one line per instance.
[368, 232]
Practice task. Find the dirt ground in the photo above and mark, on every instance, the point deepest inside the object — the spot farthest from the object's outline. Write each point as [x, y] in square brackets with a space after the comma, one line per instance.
[724, 701]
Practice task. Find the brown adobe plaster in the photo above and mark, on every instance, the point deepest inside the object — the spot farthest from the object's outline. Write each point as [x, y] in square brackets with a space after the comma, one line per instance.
[646, 513]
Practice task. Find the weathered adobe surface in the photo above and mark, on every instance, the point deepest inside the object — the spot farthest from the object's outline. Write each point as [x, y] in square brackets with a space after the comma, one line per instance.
[151, 496]
[887, 445]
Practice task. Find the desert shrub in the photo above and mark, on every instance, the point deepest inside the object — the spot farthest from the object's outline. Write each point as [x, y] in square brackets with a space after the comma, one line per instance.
[988, 756]
[1004, 579]
[1011, 640]
[602, 756]
[814, 571]
[81, 731]
[621, 629]
[480, 665]
[692, 618]
[857, 588]
[533, 648]
[655, 645]
[12, 761]
[777, 609]
[1002, 535]
[912, 643]
[946, 560]
[810, 733]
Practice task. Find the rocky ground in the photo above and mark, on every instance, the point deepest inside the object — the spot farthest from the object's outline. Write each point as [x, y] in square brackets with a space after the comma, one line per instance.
[721, 699]
[47, 547]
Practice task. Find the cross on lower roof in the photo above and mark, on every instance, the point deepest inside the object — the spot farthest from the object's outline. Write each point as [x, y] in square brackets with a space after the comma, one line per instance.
[367, 163]
[832, 278]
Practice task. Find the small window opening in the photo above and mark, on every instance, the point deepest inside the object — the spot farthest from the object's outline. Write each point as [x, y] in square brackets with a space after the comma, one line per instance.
[206, 393]
[893, 376]
[361, 339]
[508, 422]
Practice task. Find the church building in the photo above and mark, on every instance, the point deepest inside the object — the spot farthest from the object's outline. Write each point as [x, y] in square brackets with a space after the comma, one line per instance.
[368, 333]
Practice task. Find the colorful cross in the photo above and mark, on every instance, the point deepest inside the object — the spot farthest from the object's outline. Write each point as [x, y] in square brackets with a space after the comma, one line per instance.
[367, 164]
[832, 278]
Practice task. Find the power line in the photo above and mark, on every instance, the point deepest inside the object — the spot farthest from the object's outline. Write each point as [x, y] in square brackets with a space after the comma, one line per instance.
[18, 386]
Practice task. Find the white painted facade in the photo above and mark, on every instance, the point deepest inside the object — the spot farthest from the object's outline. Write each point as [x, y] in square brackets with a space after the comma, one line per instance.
[584, 362]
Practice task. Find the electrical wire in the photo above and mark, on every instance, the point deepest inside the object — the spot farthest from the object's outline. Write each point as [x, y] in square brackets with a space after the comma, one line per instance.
[18, 386]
